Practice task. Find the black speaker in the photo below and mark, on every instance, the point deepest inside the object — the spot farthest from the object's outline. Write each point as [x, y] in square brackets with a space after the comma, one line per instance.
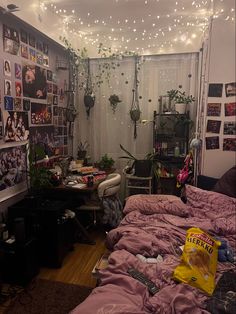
[19, 230]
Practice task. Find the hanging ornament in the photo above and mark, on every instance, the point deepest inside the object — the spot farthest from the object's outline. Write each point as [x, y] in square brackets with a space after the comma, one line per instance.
[89, 97]
[135, 110]
[114, 100]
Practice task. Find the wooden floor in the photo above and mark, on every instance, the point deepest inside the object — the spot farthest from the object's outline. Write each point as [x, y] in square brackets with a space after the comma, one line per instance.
[78, 264]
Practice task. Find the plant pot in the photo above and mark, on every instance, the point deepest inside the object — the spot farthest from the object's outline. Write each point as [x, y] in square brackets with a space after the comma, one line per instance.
[143, 168]
[82, 154]
[135, 114]
[180, 108]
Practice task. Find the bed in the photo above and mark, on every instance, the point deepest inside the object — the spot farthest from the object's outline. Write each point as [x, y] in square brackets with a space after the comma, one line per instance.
[148, 239]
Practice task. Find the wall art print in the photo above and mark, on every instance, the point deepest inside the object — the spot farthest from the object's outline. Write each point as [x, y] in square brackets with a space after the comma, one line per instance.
[229, 144]
[230, 109]
[7, 88]
[16, 126]
[18, 71]
[213, 126]
[18, 106]
[41, 114]
[230, 128]
[214, 109]
[7, 68]
[13, 171]
[44, 137]
[34, 81]
[230, 89]
[212, 142]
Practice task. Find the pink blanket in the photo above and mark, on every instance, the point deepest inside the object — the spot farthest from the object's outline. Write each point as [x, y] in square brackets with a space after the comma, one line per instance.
[150, 230]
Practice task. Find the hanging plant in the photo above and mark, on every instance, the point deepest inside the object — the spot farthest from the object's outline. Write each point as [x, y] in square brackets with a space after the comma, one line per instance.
[89, 97]
[114, 100]
[135, 111]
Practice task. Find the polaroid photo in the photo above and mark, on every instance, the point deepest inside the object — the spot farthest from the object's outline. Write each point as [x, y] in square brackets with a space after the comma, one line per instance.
[215, 90]
[18, 104]
[214, 109]
[213, 126]
[230, 89]
[230, 109]
[229, 144]
[230, 128]
[212, 142]
[7, 88]
[7, 68]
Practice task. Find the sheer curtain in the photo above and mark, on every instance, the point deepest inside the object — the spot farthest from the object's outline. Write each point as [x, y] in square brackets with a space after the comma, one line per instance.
[105, 130]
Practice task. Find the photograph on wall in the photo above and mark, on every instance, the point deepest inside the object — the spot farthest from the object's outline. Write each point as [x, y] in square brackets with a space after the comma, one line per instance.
[45, 61]
[18, 88]
[32, 40]
[230, 109]
[18, 71]
[40, 114]
[34, 81]
[23, 36]
[215, 90]
[49, 88]
[10, 46]
[16, 126]
[7, 88]
[49, 75]
[54, 89]
[32, 55]
[49, 99]
[39, 58]
[26, 104]
[213, 109]
[39, 45]
[229, 144]
[24, 51]
[43, 136]
[18, 106]
[230, 89]
[230, 128]
[45, 48]
[213, 126]
[212, 142]
[55, 100]
[13, 170]
[11, 33]
[55, 110]
[7, 68]
[8, 103]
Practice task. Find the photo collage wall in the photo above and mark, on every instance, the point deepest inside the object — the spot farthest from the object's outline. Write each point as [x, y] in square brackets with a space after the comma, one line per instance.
[221, 117]
[32, 100]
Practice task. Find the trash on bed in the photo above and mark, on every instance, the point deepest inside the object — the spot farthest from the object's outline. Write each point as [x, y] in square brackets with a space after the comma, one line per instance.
[198, 261]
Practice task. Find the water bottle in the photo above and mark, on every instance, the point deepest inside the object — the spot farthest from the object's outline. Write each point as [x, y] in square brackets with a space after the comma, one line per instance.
[176, 152]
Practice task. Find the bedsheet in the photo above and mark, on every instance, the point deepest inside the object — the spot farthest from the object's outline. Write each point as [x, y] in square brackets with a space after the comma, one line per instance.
[154, 225]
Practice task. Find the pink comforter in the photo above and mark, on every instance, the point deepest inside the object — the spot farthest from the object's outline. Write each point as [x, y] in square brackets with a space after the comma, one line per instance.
[154, 225]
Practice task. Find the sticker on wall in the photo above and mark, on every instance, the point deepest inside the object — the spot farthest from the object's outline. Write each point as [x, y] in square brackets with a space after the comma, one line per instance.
[18, 104]
[230, 128]
[7, 88]
[40, 114]
[17, 71]
[215, 90]
[7, 68]
[34, 81]
[24, 51]
[8, 103]
[229, 144]
[18, 88]
[16, 126]
[212, 142]
[214, 109]
[26, 104]
[213, 126]
[230, 109]
[32, 40]
[230, 89]
[23, 36]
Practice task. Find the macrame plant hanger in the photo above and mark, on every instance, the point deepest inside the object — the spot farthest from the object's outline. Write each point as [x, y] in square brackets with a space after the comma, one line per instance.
[135, 110]
[89, 98]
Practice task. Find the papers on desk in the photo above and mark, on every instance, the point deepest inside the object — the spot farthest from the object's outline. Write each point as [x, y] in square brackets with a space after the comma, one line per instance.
[79, 186]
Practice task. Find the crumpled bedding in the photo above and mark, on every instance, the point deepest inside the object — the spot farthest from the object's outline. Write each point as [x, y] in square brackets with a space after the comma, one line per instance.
[159, 230]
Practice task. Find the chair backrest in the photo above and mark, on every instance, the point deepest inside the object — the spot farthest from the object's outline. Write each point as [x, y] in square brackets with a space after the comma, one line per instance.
[110, 186]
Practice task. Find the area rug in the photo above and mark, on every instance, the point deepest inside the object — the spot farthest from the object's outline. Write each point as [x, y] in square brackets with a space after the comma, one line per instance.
[48, 297]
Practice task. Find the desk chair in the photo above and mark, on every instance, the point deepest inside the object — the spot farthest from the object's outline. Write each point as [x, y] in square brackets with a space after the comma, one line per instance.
[107, 188]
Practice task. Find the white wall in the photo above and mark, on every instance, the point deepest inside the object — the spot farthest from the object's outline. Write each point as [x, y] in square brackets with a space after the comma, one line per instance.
[221, 69]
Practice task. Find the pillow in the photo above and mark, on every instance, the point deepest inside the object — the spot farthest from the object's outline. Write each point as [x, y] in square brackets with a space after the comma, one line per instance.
[209, 204]
[227, 183]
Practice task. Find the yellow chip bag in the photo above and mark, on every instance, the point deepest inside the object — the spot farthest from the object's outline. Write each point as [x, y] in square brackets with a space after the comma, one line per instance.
[198, 261]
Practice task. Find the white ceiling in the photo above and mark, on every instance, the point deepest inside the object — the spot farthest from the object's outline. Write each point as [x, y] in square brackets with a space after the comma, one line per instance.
[143, 26]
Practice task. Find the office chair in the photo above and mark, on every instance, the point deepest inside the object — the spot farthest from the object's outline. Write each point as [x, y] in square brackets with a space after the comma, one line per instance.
[106, 189]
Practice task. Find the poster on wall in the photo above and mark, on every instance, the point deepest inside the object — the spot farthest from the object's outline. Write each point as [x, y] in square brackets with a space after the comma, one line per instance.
[7, 88]
[34, 81]
[17, 71]
[213, 109]
[41, 114]
[230, 128]
[230, 109]
[7, 68]
[230, 89]
[215, 90]
[213, 126]
[229, 144]
[16, 126]
[13, 171]
[11, 42]
[44, 137]
[212, 142]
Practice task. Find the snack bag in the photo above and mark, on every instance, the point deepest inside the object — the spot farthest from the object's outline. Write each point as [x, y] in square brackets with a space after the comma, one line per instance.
[198, 261]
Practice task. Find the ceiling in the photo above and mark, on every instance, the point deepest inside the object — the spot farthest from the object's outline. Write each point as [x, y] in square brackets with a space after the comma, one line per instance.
[142, 26]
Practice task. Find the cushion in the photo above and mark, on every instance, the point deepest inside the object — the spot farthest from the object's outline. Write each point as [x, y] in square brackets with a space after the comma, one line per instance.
[227, 183]
[209, 204]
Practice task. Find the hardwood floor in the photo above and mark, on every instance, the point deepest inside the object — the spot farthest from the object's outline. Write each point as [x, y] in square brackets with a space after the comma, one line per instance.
[78, 264]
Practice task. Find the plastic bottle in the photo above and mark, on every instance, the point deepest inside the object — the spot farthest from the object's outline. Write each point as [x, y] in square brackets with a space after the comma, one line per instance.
[176, 152]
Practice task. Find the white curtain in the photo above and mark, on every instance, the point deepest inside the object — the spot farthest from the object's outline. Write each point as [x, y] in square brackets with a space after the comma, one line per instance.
[105, 130]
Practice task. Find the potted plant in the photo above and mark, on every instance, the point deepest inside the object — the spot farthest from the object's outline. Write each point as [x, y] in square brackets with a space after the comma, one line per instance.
[106, 163]
[114, 100]
[82, 150]
[180, 99]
